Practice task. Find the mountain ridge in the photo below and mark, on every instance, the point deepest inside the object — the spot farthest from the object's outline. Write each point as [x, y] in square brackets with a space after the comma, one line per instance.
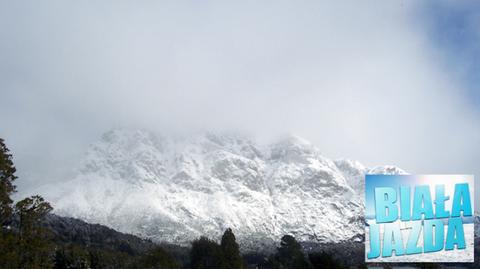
[177, 189]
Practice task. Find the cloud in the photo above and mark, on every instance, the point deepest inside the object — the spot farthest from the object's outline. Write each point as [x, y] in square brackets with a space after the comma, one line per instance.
[360, 80]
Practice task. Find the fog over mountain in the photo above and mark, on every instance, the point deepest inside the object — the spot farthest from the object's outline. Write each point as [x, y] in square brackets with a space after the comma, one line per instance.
[367, 81]
[174, 190]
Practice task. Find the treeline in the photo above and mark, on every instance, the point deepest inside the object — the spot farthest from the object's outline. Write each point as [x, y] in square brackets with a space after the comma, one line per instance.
[290, 255]
[23, 243]
[206, 253]
[26, 242]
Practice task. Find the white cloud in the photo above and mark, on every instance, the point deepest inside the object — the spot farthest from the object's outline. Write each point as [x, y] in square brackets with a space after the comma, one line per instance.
[360, 80]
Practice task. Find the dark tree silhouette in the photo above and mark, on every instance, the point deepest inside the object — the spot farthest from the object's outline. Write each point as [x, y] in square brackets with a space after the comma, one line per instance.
[22, 240]
[231, 251]
[206, 254]
[322, 260]
[158, 258]
[290, 254]
[7, 188]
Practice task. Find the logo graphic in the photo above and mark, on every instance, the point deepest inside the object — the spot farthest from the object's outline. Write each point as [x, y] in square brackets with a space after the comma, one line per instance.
[419, 218]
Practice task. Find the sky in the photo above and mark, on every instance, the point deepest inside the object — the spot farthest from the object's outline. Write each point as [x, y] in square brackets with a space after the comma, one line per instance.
[381, 82]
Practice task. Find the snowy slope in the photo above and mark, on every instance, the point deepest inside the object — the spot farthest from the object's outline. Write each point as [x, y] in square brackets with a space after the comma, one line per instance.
[177, 189]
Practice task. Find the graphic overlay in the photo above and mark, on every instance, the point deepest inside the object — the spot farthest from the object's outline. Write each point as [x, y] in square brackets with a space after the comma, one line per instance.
[419, 218]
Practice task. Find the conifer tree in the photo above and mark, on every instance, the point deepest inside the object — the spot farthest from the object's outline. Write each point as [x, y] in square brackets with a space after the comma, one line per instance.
[33, 244]
[231, 250]
[8, 240]
[7, 188]
[22, 240]
[60, 260]
[206, 254]
[290, 254]
[158, 258]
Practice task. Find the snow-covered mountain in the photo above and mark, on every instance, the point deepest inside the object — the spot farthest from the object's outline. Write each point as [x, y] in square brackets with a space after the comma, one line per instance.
[177, 189]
